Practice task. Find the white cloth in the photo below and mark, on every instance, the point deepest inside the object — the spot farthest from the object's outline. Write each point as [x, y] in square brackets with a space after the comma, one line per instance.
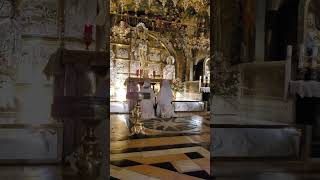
[147, 110]
[305, 88]
[165, 108]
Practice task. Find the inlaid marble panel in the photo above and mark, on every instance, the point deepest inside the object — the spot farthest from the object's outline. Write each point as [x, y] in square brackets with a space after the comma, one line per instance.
[34, 57]
[246, 142]
[32, 87]
[174, 125]
[119, 107]
[39, 17]
[188, 106]
[40, 145]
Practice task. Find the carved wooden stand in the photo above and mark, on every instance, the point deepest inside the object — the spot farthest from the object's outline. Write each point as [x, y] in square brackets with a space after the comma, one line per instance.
[88, 107]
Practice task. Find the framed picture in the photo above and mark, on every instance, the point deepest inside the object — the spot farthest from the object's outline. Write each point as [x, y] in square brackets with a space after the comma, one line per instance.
[122, 51]
[155, 54]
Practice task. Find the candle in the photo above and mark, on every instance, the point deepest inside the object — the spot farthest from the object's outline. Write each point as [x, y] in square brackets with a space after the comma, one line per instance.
[301, 56]
[289, 51]
[87, 35]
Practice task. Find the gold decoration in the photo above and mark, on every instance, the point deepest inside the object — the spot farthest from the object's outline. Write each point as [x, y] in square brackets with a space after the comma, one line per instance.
[175, 2]
[164, 2]
[121, 31]
[137, 127]
[150, 2]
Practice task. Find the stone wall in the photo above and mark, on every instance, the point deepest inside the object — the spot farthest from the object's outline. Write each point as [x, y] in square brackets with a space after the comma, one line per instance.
[29, 35]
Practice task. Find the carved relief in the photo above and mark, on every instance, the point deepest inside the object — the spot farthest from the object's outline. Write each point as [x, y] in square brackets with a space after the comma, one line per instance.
[39, 17]
[34, 57]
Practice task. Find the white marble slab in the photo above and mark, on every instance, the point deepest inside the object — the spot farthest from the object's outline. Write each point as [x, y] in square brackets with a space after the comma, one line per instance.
[189, 106]
[119, 107]
[250, 142]
[30, 144]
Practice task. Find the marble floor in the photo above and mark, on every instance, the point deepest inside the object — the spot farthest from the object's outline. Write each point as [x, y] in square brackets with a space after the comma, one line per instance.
[174, 148]
[223, 170]
[266, 170]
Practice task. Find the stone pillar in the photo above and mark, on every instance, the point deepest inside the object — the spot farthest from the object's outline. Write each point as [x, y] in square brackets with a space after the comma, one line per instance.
[260, 30]
[106, 124]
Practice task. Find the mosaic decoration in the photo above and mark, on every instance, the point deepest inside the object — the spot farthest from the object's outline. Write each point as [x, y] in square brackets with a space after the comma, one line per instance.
[174, 125]
[192, 164]
[122, 66]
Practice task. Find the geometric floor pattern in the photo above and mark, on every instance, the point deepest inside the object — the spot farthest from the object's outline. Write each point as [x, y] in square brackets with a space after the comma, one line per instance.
[182, 155]
[176, 164]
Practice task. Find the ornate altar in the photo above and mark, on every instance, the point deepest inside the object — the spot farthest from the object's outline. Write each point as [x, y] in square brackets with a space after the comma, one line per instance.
[137, 52]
